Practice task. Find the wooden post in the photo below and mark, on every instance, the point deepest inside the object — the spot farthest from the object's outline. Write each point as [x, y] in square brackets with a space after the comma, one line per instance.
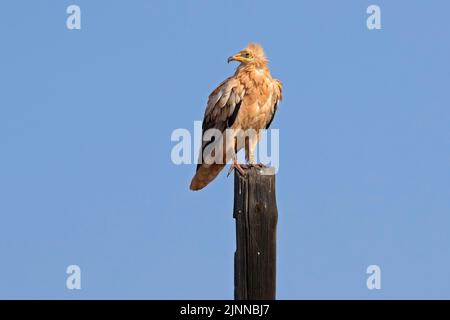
[256, 214]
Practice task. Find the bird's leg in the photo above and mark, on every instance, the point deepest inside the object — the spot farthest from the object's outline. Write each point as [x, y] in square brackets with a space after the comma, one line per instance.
[251, 159]
[235, 165]
[250, 147]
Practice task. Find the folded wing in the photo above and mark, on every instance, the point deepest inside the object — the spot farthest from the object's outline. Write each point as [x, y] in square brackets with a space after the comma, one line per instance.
[221, 112]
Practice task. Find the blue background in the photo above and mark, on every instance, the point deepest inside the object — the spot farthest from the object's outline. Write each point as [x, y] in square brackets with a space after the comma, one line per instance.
[86, 176]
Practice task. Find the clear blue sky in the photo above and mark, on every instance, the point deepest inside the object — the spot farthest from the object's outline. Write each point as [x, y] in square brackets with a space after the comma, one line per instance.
[85, 170]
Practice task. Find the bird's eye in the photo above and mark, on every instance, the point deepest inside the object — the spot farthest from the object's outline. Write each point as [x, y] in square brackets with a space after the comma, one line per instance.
[247, 55]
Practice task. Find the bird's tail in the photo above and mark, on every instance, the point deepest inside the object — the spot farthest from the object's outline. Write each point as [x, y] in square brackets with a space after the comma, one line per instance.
[204, 175]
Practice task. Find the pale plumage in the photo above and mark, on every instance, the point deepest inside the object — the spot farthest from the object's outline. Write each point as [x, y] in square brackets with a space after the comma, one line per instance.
[247, 100]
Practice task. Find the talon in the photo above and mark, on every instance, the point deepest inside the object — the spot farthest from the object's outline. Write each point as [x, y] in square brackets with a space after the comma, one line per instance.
[250, 157]
[235, 166]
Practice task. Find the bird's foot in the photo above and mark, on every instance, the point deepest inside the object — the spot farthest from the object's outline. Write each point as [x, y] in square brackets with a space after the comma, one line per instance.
[253, 163]
[235, 166]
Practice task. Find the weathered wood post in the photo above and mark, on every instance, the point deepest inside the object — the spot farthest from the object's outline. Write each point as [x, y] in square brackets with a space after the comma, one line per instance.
[256, 214]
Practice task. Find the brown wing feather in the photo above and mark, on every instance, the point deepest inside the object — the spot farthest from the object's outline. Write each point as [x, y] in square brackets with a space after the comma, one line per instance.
[221, 112]
[277, 96]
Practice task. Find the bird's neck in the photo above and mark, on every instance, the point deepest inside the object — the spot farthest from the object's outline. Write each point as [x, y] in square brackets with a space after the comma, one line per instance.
[253, 70]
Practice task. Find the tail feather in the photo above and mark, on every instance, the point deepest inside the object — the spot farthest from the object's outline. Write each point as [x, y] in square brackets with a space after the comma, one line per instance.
[204, 175]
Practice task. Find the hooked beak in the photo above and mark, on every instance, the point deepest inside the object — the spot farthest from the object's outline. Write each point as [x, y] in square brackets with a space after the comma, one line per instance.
[236, 57]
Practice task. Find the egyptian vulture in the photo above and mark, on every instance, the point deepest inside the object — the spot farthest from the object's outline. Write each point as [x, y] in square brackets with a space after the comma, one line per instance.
[244, 102]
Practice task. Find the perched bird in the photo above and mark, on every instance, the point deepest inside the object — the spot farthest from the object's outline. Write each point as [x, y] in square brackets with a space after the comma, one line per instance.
[247, 100]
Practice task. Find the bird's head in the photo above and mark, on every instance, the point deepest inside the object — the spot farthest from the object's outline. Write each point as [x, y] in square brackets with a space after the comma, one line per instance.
[252, 54]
